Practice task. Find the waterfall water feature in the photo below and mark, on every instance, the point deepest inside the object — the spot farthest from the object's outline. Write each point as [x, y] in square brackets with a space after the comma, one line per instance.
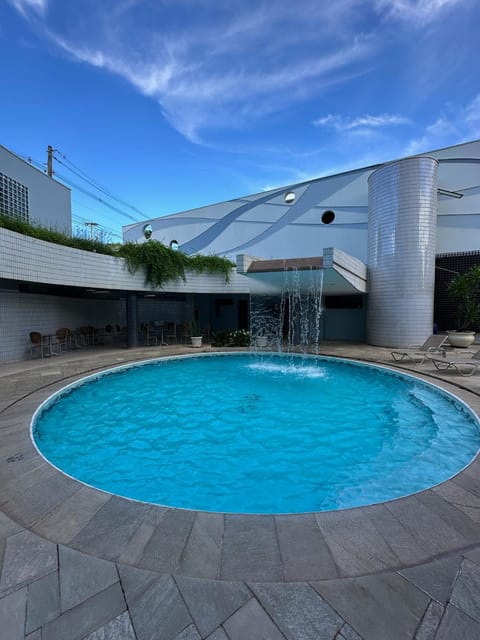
[292, 319]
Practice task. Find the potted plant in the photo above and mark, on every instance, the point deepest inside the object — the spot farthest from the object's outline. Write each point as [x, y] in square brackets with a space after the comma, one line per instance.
[195, 334]
[465, 289]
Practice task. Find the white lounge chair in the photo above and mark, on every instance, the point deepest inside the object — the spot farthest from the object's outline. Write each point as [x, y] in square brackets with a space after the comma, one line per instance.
[463, 366]
[418, 352]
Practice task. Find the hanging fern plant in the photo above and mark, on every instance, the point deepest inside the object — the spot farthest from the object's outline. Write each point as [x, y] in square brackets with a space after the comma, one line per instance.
[161, 264]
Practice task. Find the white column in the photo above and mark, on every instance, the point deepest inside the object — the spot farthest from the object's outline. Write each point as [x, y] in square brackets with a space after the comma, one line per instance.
[402, 223]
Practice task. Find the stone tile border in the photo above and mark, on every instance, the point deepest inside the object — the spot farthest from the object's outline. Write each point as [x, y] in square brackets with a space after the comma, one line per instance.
[283, 549]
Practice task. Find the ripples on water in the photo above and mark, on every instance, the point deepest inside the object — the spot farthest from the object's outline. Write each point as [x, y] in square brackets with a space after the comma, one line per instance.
[265, 434]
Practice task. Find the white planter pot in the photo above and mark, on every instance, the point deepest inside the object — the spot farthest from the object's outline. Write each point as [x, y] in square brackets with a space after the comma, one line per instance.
[196, 341]
[461, 338]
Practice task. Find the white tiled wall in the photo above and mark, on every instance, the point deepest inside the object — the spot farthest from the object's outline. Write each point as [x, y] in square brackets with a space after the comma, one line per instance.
[401, 252]
[30, 260]
[21, 313]
[25, 258]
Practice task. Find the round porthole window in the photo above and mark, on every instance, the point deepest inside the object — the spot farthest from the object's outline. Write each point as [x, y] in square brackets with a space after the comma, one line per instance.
[174, 245]
[147, 231]
[290, 197]
[328, 217]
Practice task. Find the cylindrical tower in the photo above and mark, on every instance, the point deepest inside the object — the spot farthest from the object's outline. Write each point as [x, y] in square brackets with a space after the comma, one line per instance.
[402, 223]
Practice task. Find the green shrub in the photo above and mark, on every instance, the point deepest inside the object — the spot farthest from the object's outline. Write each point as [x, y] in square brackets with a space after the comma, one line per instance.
[232, 338]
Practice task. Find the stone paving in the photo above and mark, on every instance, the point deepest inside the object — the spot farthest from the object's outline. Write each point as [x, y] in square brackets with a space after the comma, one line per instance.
[77, 563]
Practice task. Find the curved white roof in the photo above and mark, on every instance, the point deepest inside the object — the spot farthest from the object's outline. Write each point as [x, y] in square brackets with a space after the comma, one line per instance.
[268, 226]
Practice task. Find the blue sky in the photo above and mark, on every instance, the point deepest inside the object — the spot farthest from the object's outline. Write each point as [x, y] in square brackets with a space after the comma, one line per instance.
[174, 104]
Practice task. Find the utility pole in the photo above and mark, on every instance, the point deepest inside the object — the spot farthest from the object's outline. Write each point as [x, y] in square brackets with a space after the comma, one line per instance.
[50, 161]
[92, 225]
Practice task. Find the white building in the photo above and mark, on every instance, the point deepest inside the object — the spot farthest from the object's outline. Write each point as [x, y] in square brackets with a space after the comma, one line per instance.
[300, 220]
[32, 196]
[370, 238]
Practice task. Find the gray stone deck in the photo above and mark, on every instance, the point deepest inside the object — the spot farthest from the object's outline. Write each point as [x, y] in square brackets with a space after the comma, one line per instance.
[78, 563]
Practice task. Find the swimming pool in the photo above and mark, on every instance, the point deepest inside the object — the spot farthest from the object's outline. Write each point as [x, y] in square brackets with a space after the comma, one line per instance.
[256, 433]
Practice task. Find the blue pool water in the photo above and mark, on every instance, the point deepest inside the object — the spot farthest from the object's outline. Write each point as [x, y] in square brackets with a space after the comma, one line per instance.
[257, 434]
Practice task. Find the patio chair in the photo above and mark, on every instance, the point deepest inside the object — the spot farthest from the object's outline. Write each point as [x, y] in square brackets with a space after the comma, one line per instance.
[62, 339]
[418, 352]
[171, 333]
[148, 338]
[38, 345]
[463, 366]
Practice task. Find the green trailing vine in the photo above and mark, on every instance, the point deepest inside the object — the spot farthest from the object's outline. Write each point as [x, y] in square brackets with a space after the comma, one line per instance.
[57, 237]
[160, 263]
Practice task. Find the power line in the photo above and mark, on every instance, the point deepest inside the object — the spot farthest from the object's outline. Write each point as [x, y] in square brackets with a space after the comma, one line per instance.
[84, 176]
[88, 193]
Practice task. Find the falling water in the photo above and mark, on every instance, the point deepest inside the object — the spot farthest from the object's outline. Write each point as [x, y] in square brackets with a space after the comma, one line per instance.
[293, 319]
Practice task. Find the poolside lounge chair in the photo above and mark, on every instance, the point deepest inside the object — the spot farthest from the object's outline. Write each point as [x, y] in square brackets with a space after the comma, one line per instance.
[418, 352]
[463, 366]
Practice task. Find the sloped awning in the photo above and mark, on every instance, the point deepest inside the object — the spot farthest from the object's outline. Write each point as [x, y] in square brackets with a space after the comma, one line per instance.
[337, 272]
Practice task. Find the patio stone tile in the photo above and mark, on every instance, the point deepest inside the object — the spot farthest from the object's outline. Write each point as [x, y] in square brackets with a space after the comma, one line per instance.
[136, 546]
[22, 475]
[7, 526]
[109, 531]
[430, 622]
[347, 633]
[377, 607]
[190, 633]
[298, 610]
[462, 499]
[455, 518]
[163, 551]
[71, 516]
[35, 635]
[219, 634]
[250, 549]
[211, 602]
[132, 552]
[135, 581]
[155, 604]
[29, 504]
[304, 552]
[3, 544]
[473, 469]
[82, 576]
[43, 601]
[119, 628]
[26, 558]
[435, 578]
[88, 616]
[355, 543]
[12, 615]
[430, 528]
[203, 552]
[404, 544]
[474, 555]
[251, 621]
[457, 625]
[468, 482]
[466, 592]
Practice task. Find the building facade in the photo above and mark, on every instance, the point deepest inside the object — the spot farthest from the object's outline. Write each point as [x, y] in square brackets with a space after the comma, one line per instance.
[30, 195]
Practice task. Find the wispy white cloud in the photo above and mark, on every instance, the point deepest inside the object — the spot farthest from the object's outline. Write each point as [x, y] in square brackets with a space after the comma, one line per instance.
[341, 123]
[454, 125]
[220, 66]
[416, 12]
[212, 66]
[25, 6]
